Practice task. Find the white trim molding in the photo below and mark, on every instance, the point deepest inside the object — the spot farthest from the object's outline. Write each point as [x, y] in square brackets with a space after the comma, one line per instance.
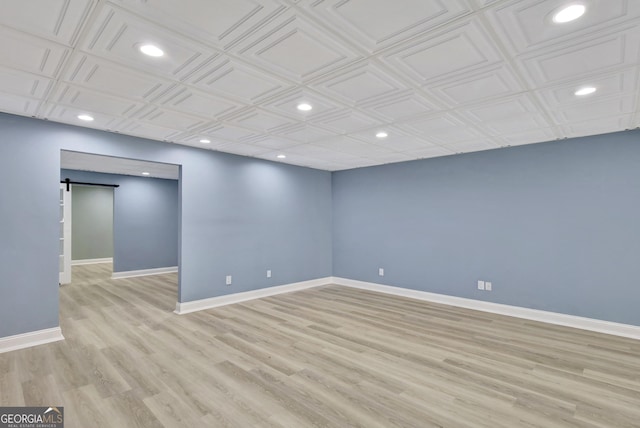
[229, 299]
[600, 326]
[33, 338]
[583, 323]
[91, 261]
[144, 272]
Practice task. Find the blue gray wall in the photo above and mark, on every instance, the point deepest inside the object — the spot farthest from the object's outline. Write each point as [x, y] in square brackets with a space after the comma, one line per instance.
[145, 219]
[554, 226]
[92, 223]
[240, 216]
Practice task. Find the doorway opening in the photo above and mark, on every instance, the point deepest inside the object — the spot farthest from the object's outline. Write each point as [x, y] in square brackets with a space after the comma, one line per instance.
[120, 218]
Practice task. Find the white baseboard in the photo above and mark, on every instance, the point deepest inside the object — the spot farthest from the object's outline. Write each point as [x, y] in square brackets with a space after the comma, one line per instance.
[33, 338]
[91, 261]
[600, 326]
[229, 299]
[144, 272]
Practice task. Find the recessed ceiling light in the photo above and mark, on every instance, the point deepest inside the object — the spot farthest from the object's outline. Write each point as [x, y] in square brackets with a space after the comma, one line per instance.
[205, 141]
[151, 50]
[569, 13]
[382, 134]
[281, 156]
[585, 91]
[304, 107]
[85, 117]
[145, 173]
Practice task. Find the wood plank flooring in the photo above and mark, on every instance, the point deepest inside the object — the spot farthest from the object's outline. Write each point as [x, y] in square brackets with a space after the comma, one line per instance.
[329, 356]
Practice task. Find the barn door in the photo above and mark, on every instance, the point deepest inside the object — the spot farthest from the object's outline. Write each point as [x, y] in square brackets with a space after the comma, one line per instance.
[65, 235]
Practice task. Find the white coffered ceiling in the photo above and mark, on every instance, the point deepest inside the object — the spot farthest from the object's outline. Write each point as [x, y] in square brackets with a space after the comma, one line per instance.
[439, 76]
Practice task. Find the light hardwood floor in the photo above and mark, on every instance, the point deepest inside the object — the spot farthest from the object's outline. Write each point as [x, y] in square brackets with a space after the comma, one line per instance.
[329, 356]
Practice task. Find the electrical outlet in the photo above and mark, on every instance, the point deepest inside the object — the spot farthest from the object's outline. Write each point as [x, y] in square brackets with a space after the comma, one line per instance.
[269, 273]
[487, 286]
[228, 279]
[481, 285]
[380, 272]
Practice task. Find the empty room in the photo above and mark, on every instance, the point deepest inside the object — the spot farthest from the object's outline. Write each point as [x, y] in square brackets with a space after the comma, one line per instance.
[333, 213]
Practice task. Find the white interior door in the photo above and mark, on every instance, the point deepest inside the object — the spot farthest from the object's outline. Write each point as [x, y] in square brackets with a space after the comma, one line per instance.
[65, 235]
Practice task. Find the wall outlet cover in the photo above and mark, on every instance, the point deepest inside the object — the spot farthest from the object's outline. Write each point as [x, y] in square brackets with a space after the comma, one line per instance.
[480, 285]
